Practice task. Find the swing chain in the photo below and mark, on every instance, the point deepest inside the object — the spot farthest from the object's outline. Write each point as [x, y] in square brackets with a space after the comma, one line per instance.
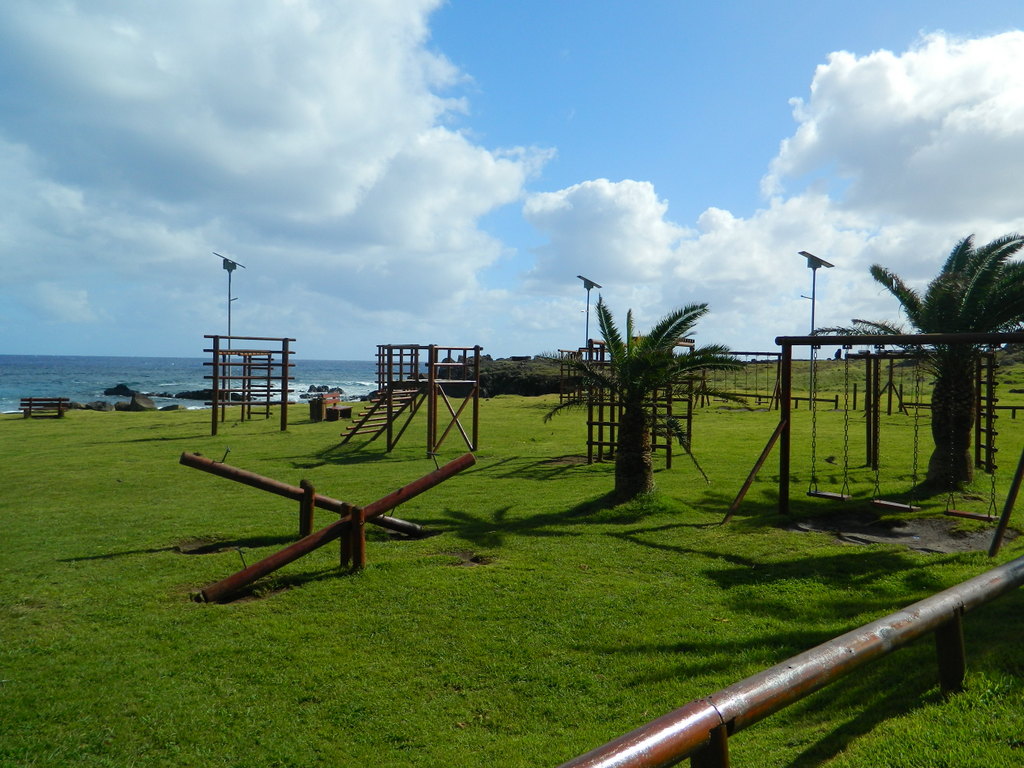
[812, 404]
[845, 491]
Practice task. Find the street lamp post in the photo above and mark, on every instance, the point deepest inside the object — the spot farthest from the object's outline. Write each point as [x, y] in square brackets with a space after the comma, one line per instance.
[229, 265]
[813, 263]
[588, 284]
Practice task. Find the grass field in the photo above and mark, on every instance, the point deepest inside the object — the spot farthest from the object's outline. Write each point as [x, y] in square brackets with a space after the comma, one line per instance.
[538, 623]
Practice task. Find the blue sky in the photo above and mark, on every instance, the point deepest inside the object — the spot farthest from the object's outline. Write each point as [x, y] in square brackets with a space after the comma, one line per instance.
[416, 171]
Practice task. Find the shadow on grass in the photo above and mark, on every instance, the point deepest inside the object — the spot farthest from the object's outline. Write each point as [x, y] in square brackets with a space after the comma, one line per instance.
[276, 583]
[192, 547]
[490, 529]
[347, 454]
[881, 689]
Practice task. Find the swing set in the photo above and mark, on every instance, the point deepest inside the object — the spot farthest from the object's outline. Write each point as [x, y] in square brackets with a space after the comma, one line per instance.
[984, 431]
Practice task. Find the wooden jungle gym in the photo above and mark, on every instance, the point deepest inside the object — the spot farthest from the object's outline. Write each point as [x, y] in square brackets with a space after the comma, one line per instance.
[252, 378]
[604, 412]
[445, 379]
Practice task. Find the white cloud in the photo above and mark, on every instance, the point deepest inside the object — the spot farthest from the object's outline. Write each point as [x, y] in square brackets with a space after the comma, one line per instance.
[318, 143]
[613, 231]
[933, 134]
[894, 159]
[314, 143]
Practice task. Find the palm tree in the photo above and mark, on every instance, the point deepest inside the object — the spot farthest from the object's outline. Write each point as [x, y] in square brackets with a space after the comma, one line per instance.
[637, 368]
[978, 290]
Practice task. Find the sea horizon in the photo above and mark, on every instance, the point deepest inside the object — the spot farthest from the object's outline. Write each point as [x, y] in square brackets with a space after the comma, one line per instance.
[83, 378]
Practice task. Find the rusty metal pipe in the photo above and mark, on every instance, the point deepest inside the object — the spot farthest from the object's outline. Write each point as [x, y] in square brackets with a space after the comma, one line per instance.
[677, 735]
[269, 484]
[224, 588]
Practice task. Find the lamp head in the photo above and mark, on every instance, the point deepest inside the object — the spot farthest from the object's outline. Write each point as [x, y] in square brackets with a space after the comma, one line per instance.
[813, 262]
[228, 264]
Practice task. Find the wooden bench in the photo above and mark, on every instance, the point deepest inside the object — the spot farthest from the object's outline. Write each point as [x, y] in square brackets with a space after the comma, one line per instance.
[36, 407]
[328, 407]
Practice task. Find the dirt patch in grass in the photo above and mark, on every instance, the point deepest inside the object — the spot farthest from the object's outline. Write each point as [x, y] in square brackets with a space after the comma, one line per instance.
[566, 461]
[939, 535]
[470, 558]
[201, 546]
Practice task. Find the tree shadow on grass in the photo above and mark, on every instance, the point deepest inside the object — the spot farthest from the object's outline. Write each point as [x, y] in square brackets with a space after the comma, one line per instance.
[491, 528]
[859, 701]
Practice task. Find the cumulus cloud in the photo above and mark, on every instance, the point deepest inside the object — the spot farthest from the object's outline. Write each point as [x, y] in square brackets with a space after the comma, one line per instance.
[615, 229]
[313, 144]
[931, 134]
[318, 144]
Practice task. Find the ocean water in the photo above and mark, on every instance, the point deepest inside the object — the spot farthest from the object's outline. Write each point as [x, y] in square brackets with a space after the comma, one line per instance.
[83, 379]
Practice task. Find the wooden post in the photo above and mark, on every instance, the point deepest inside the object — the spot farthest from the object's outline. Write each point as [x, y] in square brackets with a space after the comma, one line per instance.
[285, 369]
[716, 753]
[215, 387]
[476, 397]
[357, 539]
[784, 419]
[1004, 518]
[306, 506]
[345, 542]
[949, 645]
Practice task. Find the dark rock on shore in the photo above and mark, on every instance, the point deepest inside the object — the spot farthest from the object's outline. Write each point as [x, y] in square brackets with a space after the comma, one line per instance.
[120, 390]
[140, 402]
[196, 394]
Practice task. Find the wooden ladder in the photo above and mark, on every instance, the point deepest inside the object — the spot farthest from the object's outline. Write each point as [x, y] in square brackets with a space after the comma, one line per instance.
[403, 397]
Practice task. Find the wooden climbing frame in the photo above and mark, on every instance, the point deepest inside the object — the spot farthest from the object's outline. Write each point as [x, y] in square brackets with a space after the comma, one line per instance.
[604, 412]
[252, 379]
[446, 379]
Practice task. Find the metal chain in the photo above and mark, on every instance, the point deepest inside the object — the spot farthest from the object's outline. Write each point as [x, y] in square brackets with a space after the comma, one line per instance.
[917, 422]
[813, 387]
[845, 491]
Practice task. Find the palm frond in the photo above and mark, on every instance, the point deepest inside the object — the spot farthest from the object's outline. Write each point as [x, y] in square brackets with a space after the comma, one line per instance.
[908, 298]
[609, 331]
[674, 326]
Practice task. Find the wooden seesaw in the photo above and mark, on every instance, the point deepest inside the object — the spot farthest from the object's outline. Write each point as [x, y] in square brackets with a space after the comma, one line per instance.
[350, 528]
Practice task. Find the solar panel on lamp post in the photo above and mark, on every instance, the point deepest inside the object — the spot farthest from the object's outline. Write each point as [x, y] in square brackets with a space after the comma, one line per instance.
[588, 284]
[813, 263]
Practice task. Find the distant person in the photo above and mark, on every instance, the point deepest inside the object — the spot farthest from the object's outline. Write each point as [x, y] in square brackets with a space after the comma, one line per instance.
[839, 354]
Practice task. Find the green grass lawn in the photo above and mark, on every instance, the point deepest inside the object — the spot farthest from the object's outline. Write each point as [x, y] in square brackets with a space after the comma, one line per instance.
[537, 624]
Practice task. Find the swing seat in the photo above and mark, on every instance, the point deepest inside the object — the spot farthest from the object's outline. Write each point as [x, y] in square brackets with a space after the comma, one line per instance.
[832, 495]
[896, 505]
[969, 515]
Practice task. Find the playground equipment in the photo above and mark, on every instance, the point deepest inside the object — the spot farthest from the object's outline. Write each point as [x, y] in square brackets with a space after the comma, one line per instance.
[604, 411]
[350, 528]
[757, 379]
[812, 403]
[985, 390]
[788, 342]
[407, 379]
[252, 379]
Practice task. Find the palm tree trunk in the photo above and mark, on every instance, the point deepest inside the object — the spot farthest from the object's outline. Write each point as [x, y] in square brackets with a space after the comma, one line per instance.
[951, 464]
[634, 468]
